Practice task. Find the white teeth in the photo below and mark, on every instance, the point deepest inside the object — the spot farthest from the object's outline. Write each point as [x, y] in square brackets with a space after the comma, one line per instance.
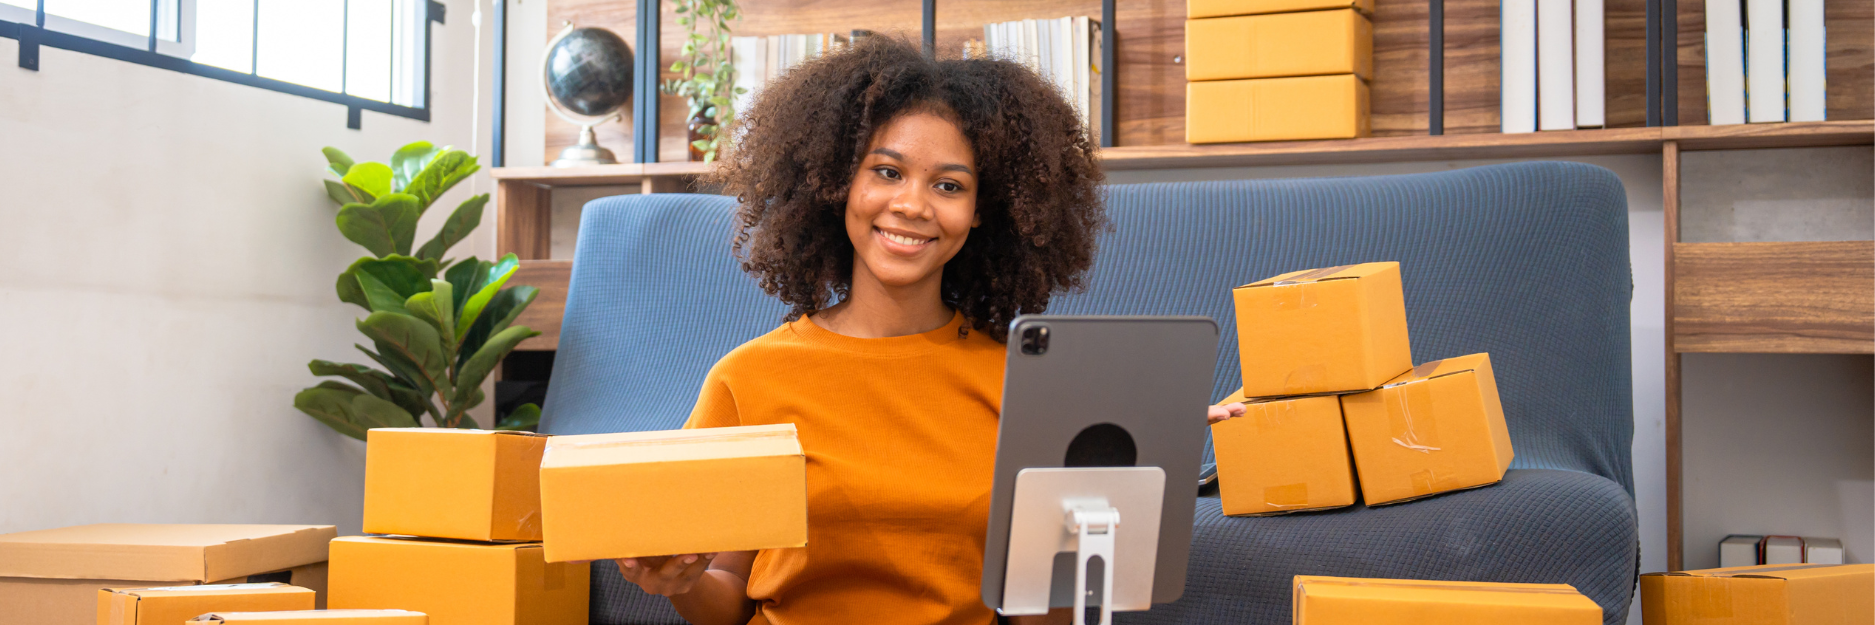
[905, 240]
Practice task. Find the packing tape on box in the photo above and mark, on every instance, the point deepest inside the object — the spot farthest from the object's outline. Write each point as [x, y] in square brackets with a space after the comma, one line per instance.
[1273, 414]
[1307, 376]
[1413, 424]
[1311, 276]
[689, 436]
[1527, 589]
[1287, 495]
[1712, 598]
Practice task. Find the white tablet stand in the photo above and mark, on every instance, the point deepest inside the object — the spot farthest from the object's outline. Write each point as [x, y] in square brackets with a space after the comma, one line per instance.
[1106, 513]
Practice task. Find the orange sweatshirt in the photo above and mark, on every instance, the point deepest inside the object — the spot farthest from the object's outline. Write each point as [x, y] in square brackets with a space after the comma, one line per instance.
[900, 436]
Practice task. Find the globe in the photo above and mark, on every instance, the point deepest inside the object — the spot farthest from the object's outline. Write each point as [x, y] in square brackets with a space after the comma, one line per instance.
[588, 77]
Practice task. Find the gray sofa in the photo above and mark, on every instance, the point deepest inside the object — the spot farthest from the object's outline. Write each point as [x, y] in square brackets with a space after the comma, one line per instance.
[1528, 262]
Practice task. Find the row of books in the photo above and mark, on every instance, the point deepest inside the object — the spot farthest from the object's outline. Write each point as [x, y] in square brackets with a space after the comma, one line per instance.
[1760, 68]
[760, 59]
[1552, 65]
[1748, 550]
[1064, 50]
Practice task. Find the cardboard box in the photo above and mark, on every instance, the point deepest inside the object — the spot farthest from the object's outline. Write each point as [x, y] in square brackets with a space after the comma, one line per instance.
[1283, 456]
[673, 492]
[458, 583]
[1771, 594]
[53, 576]
[169, 605]
[1276, 109]
[1313, 43]
[319, 617]
[448, 483]
[1437, 428]
[1328, 330]
[1220, 8]
[1347, 601]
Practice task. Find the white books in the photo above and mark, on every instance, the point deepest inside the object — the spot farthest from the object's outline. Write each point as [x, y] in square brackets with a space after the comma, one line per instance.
[1822, 550]
[1590, 89]
[1062, 33]
[1031, 43]
[1518, 83]
[1555, 66]
[1093, 69]
[1783, 550]
[1725, 62]
[751, 57]
[1764, 60]
[1045, 49]
[1807, 54]
[1738, 550]
[1080, 64]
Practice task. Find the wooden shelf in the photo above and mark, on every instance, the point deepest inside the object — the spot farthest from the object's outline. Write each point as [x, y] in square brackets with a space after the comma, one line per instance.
[594, 175]
[1795, 297]
[551, 277]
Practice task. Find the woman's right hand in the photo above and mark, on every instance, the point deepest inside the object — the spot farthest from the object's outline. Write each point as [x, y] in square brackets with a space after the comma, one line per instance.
[666, 575]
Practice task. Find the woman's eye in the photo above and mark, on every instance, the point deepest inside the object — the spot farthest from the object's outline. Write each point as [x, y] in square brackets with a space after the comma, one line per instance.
[950, 187]
[888, 173]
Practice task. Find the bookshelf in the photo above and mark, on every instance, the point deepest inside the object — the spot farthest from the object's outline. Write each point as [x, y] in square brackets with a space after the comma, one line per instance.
[1434, 97]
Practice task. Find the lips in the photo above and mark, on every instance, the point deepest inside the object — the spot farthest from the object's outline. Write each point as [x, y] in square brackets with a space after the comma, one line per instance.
[901, 243]
[902, 239]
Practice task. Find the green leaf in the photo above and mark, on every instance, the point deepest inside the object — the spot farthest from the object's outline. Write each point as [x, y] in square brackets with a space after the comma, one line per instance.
[414, 340]
[501, 312]
[381, 298]
[378, 413]
[337, 161]
[524, 417]
[460, 223]
[491, 282]
[462, 278]
[338, 192]
[405, 275]
[407, 372]
[458, 410]
[469, 377]
[443, 172]
[408, 161]
[378, 383]
[386, 227]
[371, 178]
[331, 404]
[426, 306]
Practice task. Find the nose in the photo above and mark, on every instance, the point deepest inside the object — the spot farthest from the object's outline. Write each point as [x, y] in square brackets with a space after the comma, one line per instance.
[911, 201]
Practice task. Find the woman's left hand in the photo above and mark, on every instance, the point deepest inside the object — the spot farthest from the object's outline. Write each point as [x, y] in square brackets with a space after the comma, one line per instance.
[1217, 414]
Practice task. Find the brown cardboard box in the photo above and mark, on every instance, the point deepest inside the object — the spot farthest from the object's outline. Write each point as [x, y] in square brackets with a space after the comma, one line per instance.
[1283, 456]
[53, 576]
[673, 492]
[1220, 8]
[169, 605]
[449, 483]
[318, 617]
[1329, 330]
[1276, 109]
[1347, 601]
[1312, 43]
[458, 583]
[1769, 594]
[1437, 428]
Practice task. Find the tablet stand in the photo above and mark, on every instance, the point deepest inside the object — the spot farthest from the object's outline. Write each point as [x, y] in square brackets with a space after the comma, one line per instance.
[1104, 515]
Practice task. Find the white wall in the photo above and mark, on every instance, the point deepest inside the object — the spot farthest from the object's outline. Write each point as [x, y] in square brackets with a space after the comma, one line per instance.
[170, 259]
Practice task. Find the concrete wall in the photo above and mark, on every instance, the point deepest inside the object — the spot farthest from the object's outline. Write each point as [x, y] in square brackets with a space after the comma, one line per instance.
[170, 262]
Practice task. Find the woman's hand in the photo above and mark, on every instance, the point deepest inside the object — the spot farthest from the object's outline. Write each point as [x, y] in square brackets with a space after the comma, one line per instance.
[666, 575]
[1217, 414]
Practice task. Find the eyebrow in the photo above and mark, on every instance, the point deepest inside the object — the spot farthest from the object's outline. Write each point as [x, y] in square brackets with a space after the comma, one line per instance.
[945, 167]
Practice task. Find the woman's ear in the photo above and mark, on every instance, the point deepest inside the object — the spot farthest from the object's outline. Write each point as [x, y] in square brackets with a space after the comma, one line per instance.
[975, 220]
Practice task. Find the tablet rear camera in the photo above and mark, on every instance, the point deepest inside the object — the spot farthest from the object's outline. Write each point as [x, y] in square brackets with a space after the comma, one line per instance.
[1034, 340]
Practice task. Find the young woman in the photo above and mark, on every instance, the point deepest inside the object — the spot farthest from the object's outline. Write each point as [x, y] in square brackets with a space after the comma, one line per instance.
[907, 210]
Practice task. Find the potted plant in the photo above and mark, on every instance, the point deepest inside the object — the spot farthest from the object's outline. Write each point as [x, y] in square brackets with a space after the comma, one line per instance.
[438, 326]
[707, 73]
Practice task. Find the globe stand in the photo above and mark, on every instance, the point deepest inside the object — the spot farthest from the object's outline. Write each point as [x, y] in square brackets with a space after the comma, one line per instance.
[587, 152]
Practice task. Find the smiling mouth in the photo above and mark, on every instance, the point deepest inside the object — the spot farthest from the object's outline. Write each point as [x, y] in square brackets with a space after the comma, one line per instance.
[902, 239]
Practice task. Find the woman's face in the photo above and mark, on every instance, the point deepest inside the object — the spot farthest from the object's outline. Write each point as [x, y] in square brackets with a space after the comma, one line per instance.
[913, 201]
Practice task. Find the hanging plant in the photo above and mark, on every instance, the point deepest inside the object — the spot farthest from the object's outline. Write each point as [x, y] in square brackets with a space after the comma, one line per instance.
[707, 72]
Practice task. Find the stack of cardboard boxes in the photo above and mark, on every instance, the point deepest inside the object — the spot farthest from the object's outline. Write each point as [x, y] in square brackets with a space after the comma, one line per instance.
[1332, 396]
[1277, 70]
[461, 513]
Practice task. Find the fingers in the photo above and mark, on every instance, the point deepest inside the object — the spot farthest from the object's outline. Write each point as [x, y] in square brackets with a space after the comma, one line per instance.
[1218, 414]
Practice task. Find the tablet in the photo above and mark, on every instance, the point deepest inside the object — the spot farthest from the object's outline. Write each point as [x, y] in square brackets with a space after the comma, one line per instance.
[1134, 392]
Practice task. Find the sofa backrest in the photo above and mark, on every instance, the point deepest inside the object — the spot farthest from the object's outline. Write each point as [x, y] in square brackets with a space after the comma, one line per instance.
[1527, 261]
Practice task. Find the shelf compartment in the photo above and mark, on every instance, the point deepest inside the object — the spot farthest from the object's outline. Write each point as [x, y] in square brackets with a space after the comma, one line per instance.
[551, 277]
[1800, 297]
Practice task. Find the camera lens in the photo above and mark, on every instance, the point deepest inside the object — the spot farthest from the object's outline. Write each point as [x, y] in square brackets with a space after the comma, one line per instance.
[1035, 340]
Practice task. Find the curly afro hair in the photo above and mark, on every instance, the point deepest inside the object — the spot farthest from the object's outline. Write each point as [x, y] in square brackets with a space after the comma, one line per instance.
[802, 141]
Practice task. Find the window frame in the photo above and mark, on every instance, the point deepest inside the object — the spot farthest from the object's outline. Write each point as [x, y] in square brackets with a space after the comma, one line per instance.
[86, 38]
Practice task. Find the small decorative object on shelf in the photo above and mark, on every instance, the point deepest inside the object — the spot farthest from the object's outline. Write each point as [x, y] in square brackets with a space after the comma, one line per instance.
[439, 325]
[588, 77]
[708, 73]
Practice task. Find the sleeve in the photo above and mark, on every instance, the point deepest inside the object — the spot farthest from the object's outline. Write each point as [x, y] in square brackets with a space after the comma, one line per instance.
[716, 403]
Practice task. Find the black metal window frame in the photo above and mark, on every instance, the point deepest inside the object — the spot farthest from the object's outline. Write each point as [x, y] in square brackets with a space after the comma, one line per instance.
[34, 35]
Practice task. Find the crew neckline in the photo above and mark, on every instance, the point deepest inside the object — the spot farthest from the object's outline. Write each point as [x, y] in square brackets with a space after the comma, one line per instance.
[910, 344]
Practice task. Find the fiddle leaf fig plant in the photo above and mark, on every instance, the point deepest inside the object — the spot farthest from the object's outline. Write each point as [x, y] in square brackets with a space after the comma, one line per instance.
[437, 326]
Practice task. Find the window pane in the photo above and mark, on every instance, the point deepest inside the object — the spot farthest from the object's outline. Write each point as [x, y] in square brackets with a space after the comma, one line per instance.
[131, 16]
[368, 49]
[224, 34]
[409, 29]
[32, 5]
[302, 41]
